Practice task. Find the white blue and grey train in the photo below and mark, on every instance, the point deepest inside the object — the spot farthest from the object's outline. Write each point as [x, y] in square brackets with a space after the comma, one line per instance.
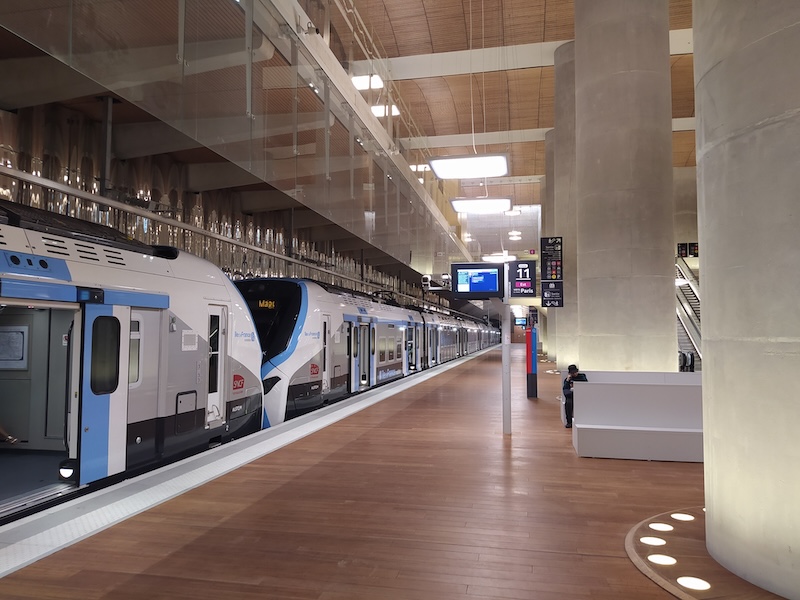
[119, 356]
[322, 343]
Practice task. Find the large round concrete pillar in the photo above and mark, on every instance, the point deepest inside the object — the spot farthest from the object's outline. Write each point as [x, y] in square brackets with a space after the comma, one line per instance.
[549, 220]
[566, 223]
[626, 273]
[748, 128]
[685, 193]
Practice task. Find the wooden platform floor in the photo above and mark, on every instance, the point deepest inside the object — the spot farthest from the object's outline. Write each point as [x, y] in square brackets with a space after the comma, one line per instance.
[419, 497]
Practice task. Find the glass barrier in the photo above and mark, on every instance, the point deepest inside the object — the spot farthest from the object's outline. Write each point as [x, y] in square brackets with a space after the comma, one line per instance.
[233, 87]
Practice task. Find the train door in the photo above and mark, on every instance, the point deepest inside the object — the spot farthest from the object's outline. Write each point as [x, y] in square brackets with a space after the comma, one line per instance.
[423, 346]
[365, 353]
[144, 355]
[411, 352]
[217, 351]
[433, 350]
[355, 372]
[419, 344]
[326, 351]
[103, 393]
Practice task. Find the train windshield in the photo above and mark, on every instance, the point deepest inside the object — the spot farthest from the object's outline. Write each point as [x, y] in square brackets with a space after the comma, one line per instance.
[275, 305]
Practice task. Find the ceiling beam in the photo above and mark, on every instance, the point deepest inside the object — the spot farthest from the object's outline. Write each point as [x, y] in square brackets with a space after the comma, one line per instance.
[504, 58]
[505, 137]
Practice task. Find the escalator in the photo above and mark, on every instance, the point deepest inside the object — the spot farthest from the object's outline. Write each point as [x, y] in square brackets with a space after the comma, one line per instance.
[687, 306]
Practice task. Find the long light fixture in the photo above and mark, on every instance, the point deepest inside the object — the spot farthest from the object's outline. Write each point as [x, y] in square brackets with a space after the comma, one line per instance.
[477, 166]
[379, 110]
[365, 82]
[498, 257]
[480, 206]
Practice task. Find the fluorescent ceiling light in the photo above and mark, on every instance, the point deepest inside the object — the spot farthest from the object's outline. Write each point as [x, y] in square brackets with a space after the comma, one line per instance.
[418, 168]
[470, 167]
[514, 212]
[480, 206]
[380, 110]
[498, 257]
[365, 82]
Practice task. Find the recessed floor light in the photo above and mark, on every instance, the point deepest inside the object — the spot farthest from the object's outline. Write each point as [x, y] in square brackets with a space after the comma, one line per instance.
[694, 583]
[652, 541]
[682, 517]
[661, 527]
[661, 559]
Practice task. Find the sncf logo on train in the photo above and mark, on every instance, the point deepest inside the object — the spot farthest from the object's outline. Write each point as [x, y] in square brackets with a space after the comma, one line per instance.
[314, 369]
[238, 383]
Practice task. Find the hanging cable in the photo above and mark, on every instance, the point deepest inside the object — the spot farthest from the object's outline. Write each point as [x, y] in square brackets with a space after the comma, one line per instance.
[471, 102]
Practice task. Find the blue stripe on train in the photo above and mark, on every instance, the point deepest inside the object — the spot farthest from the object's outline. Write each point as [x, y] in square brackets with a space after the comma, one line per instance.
[271, 365]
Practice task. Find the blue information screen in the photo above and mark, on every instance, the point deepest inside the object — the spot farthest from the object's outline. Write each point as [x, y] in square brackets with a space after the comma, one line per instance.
[477, 280]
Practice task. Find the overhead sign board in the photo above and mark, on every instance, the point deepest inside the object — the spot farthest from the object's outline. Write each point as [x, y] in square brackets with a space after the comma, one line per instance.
[522, 277]
[552, 294]
[551, 258]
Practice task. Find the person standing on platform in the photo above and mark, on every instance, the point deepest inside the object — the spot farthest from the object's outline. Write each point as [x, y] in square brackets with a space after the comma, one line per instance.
[573, 375]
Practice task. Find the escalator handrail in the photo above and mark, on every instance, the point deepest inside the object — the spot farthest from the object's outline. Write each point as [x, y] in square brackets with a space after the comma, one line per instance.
[692, 329]
[688, 275]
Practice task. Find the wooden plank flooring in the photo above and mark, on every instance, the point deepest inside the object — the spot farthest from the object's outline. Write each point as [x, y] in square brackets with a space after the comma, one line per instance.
[418, 497]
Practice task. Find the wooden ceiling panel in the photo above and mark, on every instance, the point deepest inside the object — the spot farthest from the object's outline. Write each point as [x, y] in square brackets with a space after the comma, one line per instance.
[559, 21]
[414, 100]
[680, 14]
[378, 24]
[410, 28]
[547, 97]
[523, 21]
[441, 105]
[682, 74]
[683, 149]
[448, 23]
[524, 98]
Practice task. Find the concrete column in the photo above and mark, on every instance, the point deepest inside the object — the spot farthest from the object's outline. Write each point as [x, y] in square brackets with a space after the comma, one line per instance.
[548, 210]
[542, 326]
[748, 127]
[626, 277]
[566, 222]
[685, 194]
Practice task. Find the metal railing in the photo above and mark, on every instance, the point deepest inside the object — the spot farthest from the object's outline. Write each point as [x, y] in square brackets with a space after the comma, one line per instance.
[300, 267]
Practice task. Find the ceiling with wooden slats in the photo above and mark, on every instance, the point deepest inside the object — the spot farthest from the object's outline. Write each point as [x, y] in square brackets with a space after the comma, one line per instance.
[498, 102]
[503, 103]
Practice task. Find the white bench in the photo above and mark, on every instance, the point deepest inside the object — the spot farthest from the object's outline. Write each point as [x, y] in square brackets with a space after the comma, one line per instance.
[638, 415]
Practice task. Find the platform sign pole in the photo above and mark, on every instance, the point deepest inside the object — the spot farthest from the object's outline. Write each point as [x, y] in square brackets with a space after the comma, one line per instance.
[505, 313]
[506, 369]
[531, 343]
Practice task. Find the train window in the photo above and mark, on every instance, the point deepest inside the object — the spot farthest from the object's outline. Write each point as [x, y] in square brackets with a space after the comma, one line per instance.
[104, 376]
[213, 352]
[390, 348]
[382, 349]
[372, 340]
[275, 306]
[355, 336]
[399, 348]
[134, 356]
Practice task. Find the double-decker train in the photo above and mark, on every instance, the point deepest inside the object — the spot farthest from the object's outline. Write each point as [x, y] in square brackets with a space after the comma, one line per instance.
[321, 343]
[116, 356]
